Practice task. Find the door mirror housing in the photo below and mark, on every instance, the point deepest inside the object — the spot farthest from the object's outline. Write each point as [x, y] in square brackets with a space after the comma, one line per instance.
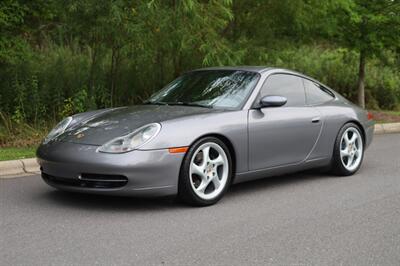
[272, 101]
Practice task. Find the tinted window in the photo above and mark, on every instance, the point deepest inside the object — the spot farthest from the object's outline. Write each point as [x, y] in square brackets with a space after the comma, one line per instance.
[288, 86]
[315, 94]
[219, 88]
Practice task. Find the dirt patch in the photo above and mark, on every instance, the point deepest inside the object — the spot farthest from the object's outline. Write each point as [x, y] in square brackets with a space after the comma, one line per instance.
[385, 117]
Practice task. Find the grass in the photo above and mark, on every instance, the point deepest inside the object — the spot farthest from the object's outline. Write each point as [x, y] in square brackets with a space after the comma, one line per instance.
[393, 112]
[386, 116]
[16, 153]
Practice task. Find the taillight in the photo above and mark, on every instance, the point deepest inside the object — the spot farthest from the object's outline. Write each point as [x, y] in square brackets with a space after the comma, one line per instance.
[370, 116]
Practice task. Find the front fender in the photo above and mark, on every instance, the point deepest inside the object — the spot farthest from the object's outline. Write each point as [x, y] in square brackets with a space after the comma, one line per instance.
[184, 131]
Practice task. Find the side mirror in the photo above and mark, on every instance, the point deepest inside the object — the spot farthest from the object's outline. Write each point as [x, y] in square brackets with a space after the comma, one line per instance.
[272, 101]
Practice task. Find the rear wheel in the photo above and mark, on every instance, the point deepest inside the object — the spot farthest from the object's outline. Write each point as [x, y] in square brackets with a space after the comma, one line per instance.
[205, 173]
[349, 150]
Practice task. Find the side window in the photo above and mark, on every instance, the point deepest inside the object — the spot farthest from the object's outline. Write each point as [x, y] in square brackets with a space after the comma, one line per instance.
[315, 94]
[288, 86]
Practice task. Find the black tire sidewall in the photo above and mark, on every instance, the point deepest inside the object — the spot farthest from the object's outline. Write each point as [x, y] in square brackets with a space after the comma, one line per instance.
[185, 190]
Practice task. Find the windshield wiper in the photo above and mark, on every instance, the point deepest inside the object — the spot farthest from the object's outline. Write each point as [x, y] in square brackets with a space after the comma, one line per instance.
[156, 103]
[179, 103]
[190, 104]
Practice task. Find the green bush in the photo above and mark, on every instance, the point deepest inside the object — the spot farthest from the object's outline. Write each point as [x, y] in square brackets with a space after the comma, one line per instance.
[59, 81]
[338, 69]
[58, 58]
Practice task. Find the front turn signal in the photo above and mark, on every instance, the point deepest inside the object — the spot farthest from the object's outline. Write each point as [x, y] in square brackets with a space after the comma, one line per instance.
[178, 150]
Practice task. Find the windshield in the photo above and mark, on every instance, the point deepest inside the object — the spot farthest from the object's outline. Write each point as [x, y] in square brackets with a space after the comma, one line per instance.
[209, 88]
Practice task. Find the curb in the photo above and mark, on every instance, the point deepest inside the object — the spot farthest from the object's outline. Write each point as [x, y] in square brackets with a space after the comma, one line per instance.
[23, 167]
[26, 167]
[387, 128]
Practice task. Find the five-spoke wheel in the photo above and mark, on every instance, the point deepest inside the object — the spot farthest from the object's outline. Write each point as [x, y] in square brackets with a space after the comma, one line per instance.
[349, 150]
[206, 172]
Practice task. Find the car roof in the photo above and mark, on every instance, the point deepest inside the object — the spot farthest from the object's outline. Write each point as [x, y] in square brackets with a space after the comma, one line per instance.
[258, 69]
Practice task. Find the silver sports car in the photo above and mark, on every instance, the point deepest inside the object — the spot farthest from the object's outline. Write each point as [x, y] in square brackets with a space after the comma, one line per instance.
[207, 129]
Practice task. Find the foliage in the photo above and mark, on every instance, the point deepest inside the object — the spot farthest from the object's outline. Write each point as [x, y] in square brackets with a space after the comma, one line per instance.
[368, 27]
[62, 57]
[19, 134]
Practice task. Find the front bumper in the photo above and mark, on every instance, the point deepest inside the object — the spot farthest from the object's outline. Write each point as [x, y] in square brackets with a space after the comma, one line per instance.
[80, 168]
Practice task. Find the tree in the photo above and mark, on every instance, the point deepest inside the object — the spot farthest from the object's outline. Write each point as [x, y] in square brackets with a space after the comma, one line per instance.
[368, 27]
[191, 28]
[118, 52]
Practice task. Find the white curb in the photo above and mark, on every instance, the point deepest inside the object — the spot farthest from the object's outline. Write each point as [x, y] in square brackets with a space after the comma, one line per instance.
[30, 165]
[379, 129]
[391, 128]
[8, 168]
[23, 167]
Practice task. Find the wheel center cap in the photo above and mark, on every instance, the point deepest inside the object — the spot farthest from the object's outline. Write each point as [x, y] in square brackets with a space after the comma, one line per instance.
[209, 168]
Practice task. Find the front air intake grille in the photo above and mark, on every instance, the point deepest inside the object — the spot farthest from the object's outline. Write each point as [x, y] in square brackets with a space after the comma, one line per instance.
[88, 181]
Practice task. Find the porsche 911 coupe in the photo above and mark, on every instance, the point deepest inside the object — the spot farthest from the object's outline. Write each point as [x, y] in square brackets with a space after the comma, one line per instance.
[206, 130]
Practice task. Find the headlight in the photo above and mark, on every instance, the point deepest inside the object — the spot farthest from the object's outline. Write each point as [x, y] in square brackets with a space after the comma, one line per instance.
[131, 141]
[58, 129]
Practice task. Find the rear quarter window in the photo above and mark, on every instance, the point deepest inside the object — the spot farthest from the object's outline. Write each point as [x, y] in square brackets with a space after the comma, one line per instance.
[316, 94]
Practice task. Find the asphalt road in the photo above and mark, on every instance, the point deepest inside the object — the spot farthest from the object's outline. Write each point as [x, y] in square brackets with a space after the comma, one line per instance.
[300, 219]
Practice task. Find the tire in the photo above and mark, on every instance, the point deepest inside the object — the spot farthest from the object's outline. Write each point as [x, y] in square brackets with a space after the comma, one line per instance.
[204, 181]
[348, 154]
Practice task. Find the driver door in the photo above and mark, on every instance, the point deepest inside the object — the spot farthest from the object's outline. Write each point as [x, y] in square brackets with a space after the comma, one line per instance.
[282, 135]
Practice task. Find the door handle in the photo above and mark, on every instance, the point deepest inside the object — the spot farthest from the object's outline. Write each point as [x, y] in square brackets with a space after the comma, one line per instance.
[316, 119]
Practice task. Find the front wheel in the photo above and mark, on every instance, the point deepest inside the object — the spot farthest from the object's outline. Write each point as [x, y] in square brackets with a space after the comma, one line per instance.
[348, 151]
[206, 172]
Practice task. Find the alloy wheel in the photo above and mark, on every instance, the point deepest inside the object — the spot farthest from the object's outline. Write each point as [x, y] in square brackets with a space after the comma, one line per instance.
[351, 149]
[209, 170]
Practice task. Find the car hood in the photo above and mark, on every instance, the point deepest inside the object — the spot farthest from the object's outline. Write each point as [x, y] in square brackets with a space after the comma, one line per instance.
[105, 125]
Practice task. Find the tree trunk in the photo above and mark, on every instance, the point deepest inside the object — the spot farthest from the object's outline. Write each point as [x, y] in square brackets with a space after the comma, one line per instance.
[113, 54]
[361, 80]
[160, 64]
[92, 69]
[176, 57]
